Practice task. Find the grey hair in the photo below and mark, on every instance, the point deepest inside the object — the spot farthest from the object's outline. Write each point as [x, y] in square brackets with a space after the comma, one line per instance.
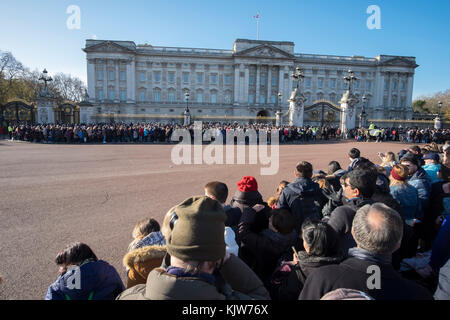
[382, 239]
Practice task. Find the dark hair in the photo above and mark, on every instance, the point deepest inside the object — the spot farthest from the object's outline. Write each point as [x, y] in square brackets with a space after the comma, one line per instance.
[320, 237]
[218, 190]
[365, 180]
[333, 166]
[365, 163]
[416, 149]
[283, 220]
[354, 153]
[75, 253]
[304, 169]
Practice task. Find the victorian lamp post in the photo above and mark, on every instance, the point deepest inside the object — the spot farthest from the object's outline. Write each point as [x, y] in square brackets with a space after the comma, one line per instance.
[439, 108]
[362, 116]
[186, 95]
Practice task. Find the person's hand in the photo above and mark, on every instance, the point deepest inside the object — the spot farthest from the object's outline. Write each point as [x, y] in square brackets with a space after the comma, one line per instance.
[294, 258]
[258, 207]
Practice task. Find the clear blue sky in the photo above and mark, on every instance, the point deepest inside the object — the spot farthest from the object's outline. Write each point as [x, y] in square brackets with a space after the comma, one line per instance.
[36, 33]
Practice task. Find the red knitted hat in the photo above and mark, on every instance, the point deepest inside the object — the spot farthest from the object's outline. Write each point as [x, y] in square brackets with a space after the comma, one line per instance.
[247, 184]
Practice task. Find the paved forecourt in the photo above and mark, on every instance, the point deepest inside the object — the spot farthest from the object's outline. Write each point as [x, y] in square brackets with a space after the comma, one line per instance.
[52, 195]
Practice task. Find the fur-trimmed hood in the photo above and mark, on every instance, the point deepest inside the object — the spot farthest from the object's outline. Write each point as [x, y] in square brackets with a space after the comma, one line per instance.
[144, 254]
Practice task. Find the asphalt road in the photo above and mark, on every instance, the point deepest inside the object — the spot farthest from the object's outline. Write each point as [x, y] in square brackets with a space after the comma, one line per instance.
[52, 195]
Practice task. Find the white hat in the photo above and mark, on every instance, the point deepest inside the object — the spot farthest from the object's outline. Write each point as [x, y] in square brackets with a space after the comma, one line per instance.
[230, 242]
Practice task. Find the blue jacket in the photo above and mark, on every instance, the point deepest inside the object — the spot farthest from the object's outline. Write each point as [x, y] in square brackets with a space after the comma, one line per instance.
[440, 252]
[422, 182]
[408, 198]
[432, 169]
[98, 281]
[290, 198]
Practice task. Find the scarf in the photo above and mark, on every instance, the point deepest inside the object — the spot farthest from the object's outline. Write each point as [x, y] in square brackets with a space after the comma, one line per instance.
[362, 254]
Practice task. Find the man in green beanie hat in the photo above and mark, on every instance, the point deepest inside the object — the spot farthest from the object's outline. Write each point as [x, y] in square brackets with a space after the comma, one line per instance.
[197, 266]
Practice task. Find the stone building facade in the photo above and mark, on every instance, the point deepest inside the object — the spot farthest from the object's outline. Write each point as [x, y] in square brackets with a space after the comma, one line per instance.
[129, 82]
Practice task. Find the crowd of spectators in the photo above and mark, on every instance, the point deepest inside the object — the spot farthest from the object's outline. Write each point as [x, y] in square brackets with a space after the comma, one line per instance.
[155, 132]
[343, 233]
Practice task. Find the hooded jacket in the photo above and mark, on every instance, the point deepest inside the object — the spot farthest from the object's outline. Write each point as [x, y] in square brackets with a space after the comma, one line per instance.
[422, 182]
[141, 261]
[241, 283]
[98, 281]
[296, 195]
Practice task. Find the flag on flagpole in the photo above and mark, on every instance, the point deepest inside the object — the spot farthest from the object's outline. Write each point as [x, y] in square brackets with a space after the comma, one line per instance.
[257, 16]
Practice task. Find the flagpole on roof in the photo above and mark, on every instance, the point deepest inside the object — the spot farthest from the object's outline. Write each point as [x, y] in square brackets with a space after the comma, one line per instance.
[257, 25]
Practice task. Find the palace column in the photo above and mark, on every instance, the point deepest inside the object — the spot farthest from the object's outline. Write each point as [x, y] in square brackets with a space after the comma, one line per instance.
[409, 94]
[246, 83]
[258, 72]
[117, 92]
[269, 83]
[91, 79]
[280, 83]
[131, 80]
[236, 84]
[105, 80]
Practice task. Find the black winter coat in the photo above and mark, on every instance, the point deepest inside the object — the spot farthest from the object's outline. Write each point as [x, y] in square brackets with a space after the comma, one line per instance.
[288, 281]
[353, 273]
[341, 220]
[264, 249]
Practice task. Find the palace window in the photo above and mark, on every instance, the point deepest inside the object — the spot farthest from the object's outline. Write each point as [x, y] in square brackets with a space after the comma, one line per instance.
[308, 82]
[123, 95]
[320, 83]
[157, 76]
[111, 74]
[213, 79]
[251, 80]
[100, 94]
[157, 96]
[251, 99]
[368, 85]
[171, 97]
[227, 79]
[263, 80]
[122, 75]
[227, 98]
[333, 83]
[199, 77]
[273, 99]
[185, 77]
[100, 75]
[112, 95]
[395, 86]
[274, 81]
[142, 96]
[171, 77]
[356, 84]
[262, 99]
[403, 85]
[200, 97]
[213, 98]
[143, 76]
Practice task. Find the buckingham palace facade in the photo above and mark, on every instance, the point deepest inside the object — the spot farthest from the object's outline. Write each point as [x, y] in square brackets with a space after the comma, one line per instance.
[129, 82]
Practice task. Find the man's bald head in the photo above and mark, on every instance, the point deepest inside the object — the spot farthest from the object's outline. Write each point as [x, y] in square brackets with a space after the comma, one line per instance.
[377, 228]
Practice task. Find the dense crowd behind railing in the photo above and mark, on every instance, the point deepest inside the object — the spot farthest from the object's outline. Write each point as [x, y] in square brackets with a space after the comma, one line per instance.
[156, 132]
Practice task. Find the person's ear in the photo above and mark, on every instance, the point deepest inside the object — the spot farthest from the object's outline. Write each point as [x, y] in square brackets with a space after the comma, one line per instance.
[356, 192]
